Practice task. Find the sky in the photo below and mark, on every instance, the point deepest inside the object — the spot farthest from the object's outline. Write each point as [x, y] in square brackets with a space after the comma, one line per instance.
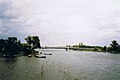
[61, 22]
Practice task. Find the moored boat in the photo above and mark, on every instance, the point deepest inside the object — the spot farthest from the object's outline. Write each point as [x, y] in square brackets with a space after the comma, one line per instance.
[47, 53]
[29, 55]
[40, 56]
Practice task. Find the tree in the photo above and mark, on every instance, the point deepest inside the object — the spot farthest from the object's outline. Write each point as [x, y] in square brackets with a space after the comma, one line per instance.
[26, 48]
[2, 46]
[13, 39]
[33, 41]
[14, 46]
[10, 46]
[114, 45]
[29, 40]
[36, 42]
[104, 48]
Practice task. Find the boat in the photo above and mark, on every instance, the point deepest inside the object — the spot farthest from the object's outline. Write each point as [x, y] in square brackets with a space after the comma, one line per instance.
[29, 55]
[40, 56]
[47, 53]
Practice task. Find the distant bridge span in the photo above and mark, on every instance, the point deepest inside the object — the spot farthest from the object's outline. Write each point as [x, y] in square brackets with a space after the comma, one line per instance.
[69, 48]
[54, 48]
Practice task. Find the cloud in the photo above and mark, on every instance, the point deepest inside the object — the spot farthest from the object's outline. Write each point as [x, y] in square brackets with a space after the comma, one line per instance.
[3, 17]
[60, 22]
[10, 21]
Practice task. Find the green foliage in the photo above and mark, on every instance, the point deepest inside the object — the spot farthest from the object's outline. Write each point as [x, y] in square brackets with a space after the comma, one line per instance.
[36, 42]
[10, 46]
[104, 48]
[114, 47]
[33, 41]
[29, 40]
[26, 48]
[81, 46]
[12, 39]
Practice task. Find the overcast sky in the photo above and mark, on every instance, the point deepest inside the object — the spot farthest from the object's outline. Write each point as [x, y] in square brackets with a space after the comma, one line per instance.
[61, 22]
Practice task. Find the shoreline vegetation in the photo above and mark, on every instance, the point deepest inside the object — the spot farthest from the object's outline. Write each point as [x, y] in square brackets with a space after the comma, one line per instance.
[113, 48]
[13, 47]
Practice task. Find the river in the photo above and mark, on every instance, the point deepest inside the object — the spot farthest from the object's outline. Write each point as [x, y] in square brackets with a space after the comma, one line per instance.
[62, 65]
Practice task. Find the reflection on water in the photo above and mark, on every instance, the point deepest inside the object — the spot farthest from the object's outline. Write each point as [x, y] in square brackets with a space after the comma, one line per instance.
[62, 65]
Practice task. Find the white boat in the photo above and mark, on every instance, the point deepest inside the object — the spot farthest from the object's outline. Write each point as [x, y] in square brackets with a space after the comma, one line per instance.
[38, 50]
[29, 55]
[40, 56]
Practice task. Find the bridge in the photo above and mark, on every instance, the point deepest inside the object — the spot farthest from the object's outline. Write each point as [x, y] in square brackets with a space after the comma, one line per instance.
[54, 47]
[70, 48]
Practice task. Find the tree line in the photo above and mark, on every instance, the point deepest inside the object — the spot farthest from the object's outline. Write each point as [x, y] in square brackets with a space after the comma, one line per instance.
[12, 46]
[113, 48]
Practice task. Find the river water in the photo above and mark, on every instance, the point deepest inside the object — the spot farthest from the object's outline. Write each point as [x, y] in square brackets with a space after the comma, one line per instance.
[62, 65]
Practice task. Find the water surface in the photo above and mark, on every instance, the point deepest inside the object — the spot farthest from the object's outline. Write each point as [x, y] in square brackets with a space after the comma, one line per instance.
[62, 65]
